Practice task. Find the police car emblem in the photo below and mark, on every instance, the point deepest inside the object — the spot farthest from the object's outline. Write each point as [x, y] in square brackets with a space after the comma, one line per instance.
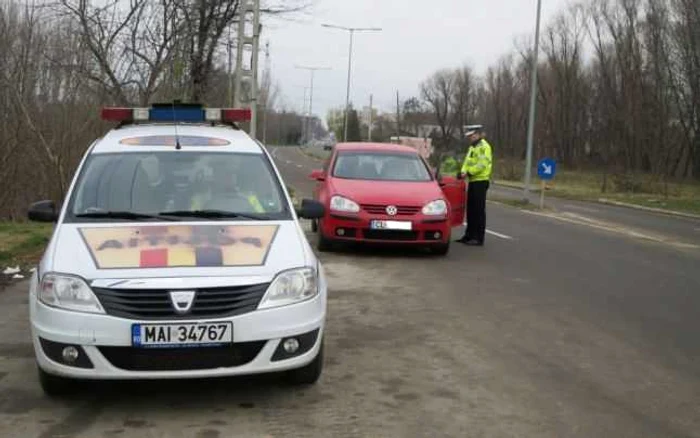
[182, 300]
[391, 210]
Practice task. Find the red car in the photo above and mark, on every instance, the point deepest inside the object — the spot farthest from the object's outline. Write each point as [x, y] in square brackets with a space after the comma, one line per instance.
[386, 193]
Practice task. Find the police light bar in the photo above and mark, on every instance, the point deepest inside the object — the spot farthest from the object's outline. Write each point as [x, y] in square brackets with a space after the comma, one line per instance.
[176, 113]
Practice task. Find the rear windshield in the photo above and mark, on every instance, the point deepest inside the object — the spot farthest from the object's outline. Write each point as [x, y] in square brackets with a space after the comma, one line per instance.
[156, 182]
[381, 166]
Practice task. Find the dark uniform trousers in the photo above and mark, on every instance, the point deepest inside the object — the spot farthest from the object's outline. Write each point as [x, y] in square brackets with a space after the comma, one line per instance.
[476, 210]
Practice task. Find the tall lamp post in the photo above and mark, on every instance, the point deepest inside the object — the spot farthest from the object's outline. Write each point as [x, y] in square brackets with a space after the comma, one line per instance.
[533, 105]
[351, 31]
[311, 94]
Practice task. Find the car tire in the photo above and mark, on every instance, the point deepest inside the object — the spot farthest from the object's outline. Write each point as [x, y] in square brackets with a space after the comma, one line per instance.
[308, 374]
[441, 249]
[56, 386]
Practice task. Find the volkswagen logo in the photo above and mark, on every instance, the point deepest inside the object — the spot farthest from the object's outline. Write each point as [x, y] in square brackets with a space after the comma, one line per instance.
[182, 300]
[392, 210]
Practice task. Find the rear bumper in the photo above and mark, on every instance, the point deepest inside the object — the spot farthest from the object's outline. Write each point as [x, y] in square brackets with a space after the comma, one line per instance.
[424, 230]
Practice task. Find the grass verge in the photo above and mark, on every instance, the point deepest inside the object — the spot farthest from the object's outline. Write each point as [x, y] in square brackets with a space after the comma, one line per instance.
[639, 189]
[21, 244]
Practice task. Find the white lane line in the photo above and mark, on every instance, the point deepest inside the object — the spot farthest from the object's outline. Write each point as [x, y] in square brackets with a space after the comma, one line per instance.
[586, 209]
[502, 236]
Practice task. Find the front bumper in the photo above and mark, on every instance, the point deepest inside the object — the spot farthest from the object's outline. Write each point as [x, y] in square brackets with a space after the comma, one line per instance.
[356, 228]
[106, 341]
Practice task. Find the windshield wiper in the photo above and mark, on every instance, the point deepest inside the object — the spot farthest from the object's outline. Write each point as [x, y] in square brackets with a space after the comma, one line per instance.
[216, 214]
[123, 215]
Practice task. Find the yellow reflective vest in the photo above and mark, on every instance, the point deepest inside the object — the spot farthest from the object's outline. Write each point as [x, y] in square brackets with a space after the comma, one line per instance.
[199, 200]
[449, 166]
[478, 162]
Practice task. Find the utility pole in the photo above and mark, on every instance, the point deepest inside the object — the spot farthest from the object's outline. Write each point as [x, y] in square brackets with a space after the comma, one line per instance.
[230, 68]
[533, 105]
[369, 123]
[250, 75]
[266, 81]
[304, 120]
[311, 95]
[398, 117]
[352, 31]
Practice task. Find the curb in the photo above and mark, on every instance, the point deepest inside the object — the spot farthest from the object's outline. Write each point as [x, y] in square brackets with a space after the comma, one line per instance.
[650, 209]
[605, 201]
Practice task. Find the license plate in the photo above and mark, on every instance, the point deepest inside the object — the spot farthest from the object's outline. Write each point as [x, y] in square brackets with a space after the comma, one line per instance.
[391, 225]
[181, 335]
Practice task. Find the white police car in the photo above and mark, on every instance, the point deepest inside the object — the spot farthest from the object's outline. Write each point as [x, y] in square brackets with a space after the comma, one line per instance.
[177, 254]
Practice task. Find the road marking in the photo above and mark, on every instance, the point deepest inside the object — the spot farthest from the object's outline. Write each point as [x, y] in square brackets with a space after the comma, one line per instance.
[502, 236]
[578, 207]
[576, 219]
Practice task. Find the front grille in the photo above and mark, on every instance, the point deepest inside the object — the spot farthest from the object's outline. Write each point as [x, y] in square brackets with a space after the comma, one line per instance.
[155, 304]
[397, 235]
[402, 210]
[182, 359]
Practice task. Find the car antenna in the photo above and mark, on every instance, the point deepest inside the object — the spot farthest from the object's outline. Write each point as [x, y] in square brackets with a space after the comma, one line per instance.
[177, 137]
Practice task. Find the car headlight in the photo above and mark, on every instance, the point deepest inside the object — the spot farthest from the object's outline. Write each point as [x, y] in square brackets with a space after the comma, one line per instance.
[339, 203]
[69, 293]
[291, 287]
[435, 208]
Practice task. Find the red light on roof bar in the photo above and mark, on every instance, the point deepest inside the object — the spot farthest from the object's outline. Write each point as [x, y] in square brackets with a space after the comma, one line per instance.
[117, 114]
[236, 114]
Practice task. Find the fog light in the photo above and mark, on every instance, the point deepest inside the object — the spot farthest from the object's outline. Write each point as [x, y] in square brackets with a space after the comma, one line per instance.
[437, 235]
[70, 354]
[340, 231]
[291, 345]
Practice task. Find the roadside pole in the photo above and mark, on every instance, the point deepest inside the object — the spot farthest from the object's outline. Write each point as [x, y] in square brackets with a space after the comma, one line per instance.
[533, 104]
[546, 169]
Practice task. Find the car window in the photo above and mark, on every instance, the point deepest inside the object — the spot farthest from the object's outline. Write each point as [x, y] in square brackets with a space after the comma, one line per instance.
[384, 166]
[155, 182]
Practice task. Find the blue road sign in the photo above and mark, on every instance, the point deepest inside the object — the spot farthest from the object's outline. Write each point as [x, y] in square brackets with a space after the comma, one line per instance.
[546, 168]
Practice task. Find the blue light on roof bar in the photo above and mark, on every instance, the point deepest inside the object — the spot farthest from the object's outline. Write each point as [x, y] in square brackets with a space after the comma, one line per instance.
[176, 114]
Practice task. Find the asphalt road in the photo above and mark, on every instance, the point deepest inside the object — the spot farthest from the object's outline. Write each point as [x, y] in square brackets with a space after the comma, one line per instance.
[556, 328]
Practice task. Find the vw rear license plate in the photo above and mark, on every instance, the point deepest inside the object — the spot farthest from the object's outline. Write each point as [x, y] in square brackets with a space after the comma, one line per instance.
[181, 335]
[391, 225]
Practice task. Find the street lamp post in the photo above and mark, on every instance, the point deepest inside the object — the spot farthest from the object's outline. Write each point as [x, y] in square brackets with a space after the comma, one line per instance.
[311, 94]
[533, 104]
[351, 31]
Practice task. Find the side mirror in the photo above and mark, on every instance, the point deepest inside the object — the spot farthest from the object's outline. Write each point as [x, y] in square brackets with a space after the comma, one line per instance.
[311, 209]
[318, 175]
[43, 211]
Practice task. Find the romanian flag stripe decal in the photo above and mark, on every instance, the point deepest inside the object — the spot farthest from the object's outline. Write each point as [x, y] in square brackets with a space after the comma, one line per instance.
[179, 245]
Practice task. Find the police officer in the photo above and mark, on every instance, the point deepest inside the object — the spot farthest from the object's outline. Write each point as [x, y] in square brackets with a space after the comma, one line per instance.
[477, 170]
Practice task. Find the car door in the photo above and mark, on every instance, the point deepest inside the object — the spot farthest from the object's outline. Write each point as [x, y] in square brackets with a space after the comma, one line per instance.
[455, 190]
[320, 188]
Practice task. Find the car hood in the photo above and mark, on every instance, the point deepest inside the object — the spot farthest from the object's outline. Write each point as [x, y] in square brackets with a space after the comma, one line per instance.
[253, 251]
[387, 192]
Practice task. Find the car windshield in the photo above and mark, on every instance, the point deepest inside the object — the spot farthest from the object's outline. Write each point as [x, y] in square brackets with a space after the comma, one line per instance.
[383, 166]
[129, 186]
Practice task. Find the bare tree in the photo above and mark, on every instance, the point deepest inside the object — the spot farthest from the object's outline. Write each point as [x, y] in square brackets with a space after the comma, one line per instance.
[438, 91]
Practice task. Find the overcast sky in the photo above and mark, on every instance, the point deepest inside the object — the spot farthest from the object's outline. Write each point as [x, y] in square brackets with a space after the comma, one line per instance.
[417, 38]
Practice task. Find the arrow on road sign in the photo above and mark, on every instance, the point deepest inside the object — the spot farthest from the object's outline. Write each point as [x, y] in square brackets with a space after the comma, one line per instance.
[546, 169]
